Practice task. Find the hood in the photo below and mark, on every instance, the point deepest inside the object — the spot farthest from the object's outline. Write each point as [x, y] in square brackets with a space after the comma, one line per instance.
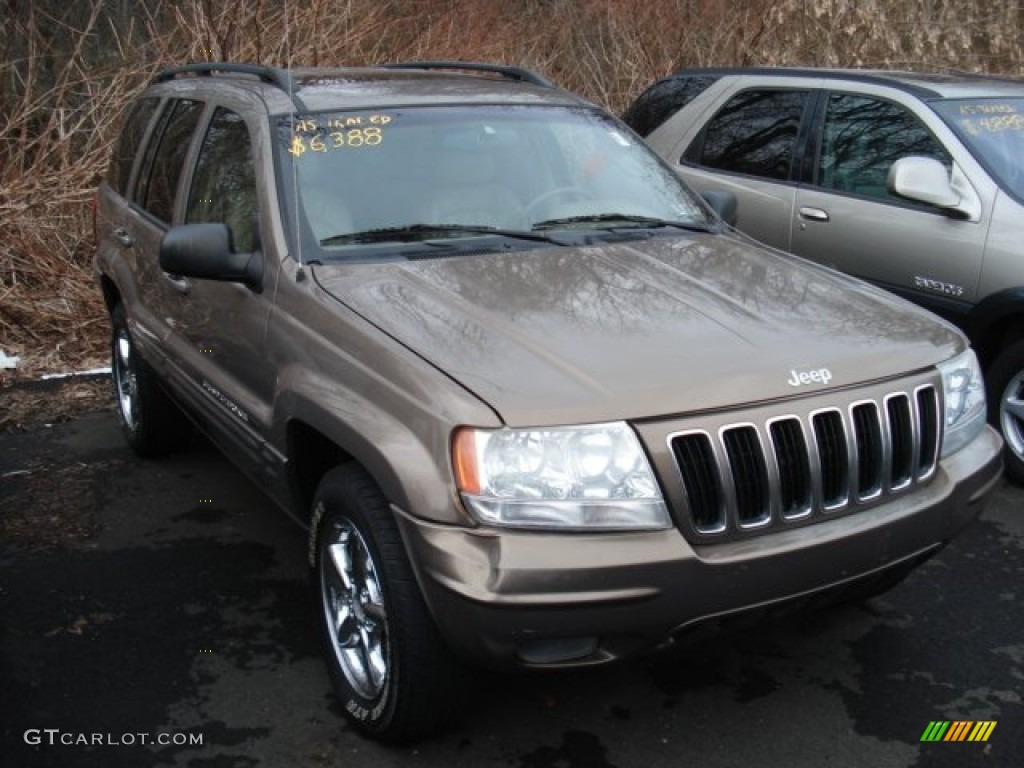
[659, 327]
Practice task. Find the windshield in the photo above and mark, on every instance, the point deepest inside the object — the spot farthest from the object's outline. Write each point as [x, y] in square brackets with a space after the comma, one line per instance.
[993, 129]
[445, 173]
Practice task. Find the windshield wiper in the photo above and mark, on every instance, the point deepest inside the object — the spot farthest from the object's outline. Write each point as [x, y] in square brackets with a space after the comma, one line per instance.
[414, 232]
[622, 221]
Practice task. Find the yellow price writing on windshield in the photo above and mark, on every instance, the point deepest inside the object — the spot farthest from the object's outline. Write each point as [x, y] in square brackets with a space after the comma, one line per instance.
[353, 138]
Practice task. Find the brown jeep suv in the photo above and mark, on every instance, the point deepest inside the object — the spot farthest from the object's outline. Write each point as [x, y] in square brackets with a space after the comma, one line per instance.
[535, 404]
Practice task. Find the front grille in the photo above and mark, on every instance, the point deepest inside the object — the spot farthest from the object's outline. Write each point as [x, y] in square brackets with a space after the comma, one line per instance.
[745, 477]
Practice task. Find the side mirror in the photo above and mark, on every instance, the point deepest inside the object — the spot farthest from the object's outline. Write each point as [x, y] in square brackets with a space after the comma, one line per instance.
[204, 251]
[724, 204]
[924, 180]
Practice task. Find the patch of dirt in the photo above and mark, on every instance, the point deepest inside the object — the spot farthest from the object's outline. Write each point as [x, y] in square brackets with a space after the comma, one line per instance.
[44, 506]
[25, 404]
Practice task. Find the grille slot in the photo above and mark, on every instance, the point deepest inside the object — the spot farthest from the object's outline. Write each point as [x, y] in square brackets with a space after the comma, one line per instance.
[928, 431]
[749, 475]
[696, 460]
[791, 455]
[756, 476]
[901, 436]
[830, 436]
[868, 439]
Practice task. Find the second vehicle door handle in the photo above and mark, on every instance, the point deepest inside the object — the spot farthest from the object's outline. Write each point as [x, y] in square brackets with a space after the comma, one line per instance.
[813, 214]
[122, 236]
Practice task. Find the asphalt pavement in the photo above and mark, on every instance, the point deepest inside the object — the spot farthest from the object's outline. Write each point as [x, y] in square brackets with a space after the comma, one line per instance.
[158, 614]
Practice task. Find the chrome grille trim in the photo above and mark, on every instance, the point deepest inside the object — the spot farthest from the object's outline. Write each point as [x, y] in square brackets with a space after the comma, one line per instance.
[790, 460]
[868, 449]
[903, 440]
[749, 488]
[746, 476]
[833, 458]
[929, 441]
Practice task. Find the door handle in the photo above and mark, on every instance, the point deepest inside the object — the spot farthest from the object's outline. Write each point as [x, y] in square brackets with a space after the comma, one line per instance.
[122, 236]
[813, 214]
[181, 284]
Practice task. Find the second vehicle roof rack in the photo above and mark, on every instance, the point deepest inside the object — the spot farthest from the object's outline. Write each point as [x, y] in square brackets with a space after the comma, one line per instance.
[514, 73]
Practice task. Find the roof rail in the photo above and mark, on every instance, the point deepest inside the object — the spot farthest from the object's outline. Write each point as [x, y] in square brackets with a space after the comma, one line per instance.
[513, 73]
[282, 78]
[994, 76]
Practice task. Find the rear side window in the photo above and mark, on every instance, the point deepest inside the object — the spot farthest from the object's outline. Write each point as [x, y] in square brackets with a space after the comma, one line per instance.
[133, 131]
[755, 133]
[224, 185]
[862, 138]
[157, 197]
[663, 99]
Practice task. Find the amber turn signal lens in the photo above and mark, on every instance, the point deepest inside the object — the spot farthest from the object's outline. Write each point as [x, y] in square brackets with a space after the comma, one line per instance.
[464, 460]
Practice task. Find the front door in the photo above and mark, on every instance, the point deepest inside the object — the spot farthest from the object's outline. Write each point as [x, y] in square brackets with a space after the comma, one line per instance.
[218, 328]
[848, 219]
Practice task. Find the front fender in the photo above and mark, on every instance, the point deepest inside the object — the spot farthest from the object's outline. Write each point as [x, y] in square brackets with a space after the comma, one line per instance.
[408, 455]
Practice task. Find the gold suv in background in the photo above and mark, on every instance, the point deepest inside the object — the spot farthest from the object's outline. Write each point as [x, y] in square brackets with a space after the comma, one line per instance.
[912, 181]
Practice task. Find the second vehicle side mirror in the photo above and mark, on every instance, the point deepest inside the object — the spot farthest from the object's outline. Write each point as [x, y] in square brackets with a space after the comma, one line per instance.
[924, 180]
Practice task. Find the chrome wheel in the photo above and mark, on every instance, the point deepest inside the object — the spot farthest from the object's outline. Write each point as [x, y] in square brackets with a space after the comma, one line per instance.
[392, 672]
[354, 609]
[1011, 414]
[125, 380]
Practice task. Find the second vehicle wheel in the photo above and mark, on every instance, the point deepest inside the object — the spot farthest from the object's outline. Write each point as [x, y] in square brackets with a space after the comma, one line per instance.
[388, 664]
[1006, 406]
[151, 423]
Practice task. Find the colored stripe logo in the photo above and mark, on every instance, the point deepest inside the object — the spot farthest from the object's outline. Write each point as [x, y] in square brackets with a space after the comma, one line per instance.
[958, 730]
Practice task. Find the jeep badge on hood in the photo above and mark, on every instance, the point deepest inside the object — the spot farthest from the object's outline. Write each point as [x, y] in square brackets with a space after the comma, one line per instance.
[813, 376]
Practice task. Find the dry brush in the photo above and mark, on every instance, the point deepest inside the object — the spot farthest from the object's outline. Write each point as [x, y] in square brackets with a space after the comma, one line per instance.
[69, 69]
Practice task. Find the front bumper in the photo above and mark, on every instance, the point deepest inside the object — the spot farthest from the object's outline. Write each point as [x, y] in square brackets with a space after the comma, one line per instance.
[513, 598]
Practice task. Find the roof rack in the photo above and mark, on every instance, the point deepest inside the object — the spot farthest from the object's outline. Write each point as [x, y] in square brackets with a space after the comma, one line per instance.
[994, 76]
[282, 78]
[513, 73]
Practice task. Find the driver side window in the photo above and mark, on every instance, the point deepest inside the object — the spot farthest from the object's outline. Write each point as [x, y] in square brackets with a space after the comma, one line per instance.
[224, 185]
[863, 137]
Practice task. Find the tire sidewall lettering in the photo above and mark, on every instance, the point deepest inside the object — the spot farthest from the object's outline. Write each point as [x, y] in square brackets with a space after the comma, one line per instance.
[314, 532]
[359, 711]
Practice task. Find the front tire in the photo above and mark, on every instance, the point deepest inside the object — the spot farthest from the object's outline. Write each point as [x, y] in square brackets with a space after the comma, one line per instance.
[152, 424]
[390, 669]
[1006, 406]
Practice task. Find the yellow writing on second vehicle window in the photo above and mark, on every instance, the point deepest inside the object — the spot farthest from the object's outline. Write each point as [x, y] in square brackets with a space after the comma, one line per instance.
[999, 124]
[987, 109]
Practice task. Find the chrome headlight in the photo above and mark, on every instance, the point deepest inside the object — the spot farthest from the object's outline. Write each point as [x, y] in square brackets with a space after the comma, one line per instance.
[585, 477]
[964, 395]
